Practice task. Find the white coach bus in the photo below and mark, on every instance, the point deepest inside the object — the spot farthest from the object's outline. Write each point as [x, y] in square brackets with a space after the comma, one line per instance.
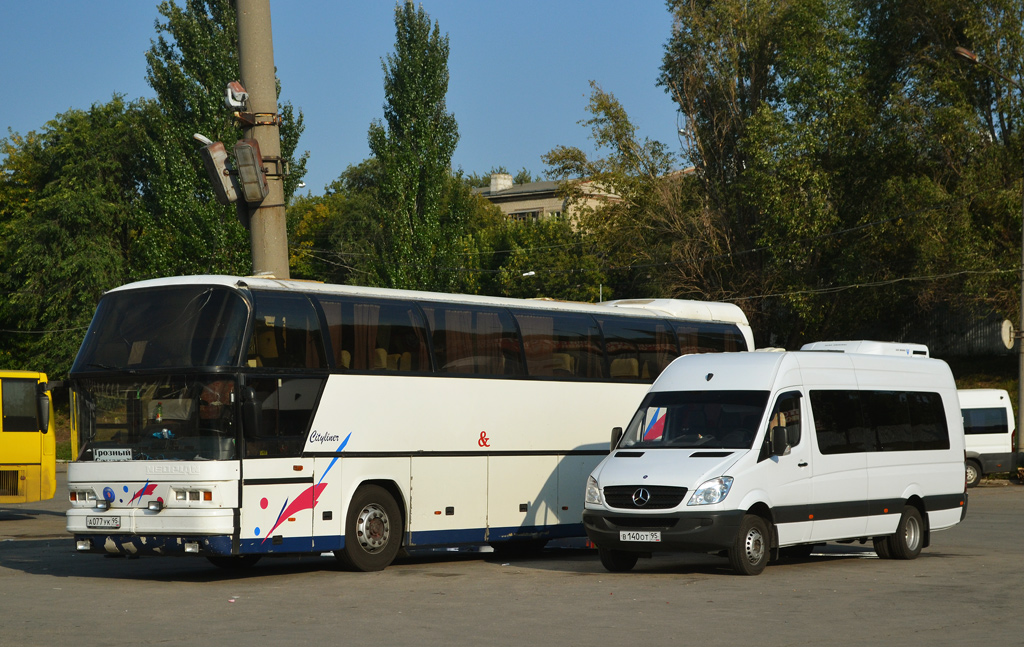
[238, 417]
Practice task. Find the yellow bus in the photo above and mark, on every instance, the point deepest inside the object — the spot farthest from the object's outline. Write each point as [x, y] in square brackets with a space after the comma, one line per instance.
[27, 443]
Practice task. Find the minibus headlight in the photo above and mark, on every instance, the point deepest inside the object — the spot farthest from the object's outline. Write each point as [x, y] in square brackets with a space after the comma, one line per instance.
[593, 492]
[712, 491]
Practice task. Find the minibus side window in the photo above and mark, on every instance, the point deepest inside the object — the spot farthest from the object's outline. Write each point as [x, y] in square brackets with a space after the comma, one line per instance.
[786, 416]
[839, 423]
[985, 421]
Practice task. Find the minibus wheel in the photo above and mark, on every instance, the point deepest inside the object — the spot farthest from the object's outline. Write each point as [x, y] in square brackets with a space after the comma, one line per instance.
[373, 530]
[973, 473]
[881, 545]
[909, 537]
[750, 549]
[617, 561]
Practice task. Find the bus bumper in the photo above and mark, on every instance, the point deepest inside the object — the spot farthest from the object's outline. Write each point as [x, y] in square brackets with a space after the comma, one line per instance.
[138, 531]
[140, 545]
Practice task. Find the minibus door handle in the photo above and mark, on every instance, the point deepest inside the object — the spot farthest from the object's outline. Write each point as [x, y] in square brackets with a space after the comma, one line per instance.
[802, 464]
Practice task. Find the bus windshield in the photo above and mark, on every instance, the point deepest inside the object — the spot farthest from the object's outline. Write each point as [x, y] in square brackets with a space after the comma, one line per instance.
[166, 418]
[697, 419]
[180, 326]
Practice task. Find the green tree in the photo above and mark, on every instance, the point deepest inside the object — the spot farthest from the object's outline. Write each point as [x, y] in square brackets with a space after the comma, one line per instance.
[547, 258]
[189, 64]
[70, 214]
[627, 225]
[330, 235]
[416, 236]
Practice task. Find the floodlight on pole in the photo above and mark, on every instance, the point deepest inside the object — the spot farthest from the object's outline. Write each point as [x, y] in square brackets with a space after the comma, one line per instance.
[252, 179]
[215, 159]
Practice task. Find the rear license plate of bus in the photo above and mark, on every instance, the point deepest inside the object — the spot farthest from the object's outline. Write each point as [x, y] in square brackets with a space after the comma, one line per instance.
[639, 535]
[103, 522]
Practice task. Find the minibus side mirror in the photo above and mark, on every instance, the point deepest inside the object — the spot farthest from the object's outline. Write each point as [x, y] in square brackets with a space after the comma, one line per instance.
[252, 412]
[616, 437]
[779, 441]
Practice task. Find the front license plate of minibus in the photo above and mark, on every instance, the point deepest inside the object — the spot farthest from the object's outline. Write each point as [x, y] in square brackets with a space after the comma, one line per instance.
[639, 535]
[103, 522]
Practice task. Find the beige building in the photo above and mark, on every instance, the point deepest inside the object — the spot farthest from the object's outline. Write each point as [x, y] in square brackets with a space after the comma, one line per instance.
[536, 200]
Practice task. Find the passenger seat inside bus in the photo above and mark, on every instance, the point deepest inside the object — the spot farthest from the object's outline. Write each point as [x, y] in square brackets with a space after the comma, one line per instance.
[625, 369]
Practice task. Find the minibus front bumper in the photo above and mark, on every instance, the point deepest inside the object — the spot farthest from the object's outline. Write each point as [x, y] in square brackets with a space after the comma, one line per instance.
[697, 531]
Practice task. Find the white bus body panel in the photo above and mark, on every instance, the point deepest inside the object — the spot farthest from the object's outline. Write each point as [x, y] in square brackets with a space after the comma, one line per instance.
[478, 463]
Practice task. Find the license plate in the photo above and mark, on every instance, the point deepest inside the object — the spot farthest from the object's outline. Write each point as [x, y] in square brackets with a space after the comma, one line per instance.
[103, 522]
[639, 535]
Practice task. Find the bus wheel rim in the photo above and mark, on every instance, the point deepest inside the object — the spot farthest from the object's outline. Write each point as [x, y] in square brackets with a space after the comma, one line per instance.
[373, 528]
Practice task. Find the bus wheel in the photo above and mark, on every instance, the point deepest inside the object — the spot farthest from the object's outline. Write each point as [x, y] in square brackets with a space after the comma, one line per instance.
[749, 552]
[233, 562]
[617, 561]
[909, 537]
[973, 473]
[373, 530]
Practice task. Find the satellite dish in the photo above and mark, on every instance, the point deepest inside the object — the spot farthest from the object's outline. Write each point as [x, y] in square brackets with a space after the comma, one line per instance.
[1007, 334]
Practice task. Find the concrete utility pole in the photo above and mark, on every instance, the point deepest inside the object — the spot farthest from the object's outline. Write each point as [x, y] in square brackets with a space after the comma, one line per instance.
[267, 229]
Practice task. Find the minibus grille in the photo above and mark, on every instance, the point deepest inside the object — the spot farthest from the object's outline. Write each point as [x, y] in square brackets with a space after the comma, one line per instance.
[644, 497]
[642, 522]
[9, 482]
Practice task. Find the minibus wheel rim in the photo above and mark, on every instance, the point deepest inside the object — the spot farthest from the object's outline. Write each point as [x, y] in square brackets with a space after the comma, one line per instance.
[753, 546]
[913, 534]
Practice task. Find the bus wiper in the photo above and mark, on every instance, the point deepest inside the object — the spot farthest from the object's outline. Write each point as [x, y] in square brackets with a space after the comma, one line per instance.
[103, 366]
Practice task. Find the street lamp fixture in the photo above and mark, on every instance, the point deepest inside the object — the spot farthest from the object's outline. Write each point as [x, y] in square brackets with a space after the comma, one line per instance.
[968, 55]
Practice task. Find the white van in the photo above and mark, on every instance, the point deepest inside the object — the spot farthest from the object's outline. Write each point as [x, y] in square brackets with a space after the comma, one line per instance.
[750, 453]
[988, 432]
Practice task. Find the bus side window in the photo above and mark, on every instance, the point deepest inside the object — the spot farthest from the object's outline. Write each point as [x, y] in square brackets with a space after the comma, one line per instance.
[470, 340]
[638, 348]
[559, 342]
[287, 333]
[18, 403]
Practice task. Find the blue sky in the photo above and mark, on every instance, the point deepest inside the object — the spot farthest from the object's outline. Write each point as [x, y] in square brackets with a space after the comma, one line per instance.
[520, 69]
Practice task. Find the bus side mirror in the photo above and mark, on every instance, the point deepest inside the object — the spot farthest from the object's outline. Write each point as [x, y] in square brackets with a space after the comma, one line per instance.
[252, 412]
[779, 441]
[616, 437]
[43, 411]
[42, 408]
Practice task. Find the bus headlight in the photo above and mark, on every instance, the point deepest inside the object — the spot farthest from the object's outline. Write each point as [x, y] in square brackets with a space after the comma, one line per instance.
[712, 491]
[593, 492]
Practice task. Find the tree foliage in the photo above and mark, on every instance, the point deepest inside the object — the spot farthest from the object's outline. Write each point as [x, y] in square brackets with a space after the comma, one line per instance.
[118, 192]
[189, 64]
[417, 236]
[70, 216]
[843, 150]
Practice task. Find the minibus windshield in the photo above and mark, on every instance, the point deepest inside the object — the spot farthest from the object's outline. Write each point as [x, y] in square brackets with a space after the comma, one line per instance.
[697, 419]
